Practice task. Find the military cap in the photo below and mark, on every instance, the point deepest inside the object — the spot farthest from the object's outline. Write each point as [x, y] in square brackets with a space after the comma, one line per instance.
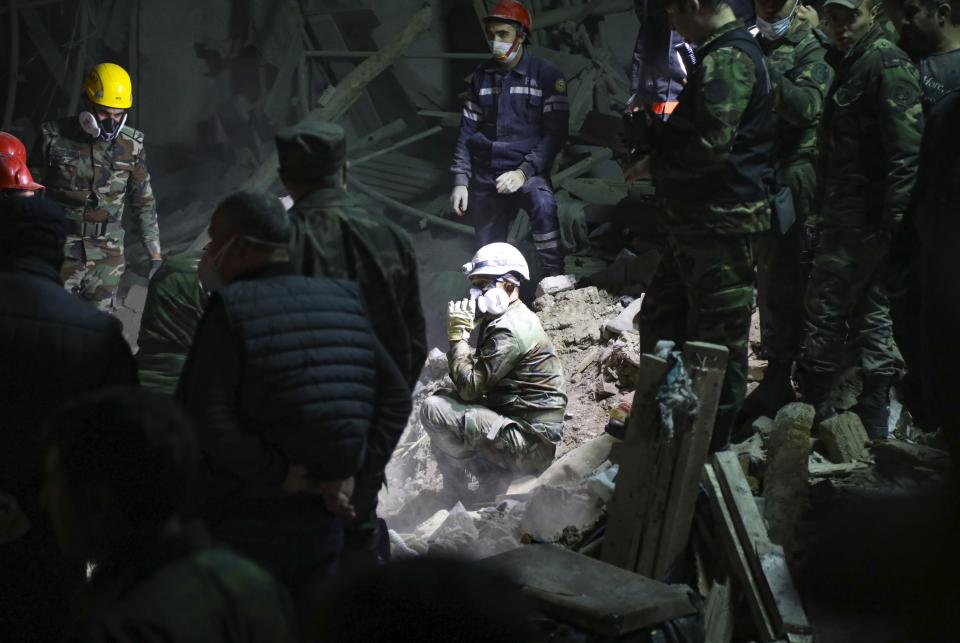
[311, 151]
[849, 4]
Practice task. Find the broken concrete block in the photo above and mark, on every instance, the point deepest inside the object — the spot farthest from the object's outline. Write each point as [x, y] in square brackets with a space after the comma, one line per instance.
[763, 426]
[625, 321]
[456, 535]
[844, 437]
[620, 361]
[605, 389]
[551, 510]
[576, 464]
[785, 479]
[427, 528]
[557, 284]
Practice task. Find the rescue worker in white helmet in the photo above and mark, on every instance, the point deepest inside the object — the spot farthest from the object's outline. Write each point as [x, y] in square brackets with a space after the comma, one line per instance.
[96, 168]
[505, 416]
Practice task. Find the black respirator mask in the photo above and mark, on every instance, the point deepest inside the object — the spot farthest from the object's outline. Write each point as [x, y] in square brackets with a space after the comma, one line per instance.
[103, 130]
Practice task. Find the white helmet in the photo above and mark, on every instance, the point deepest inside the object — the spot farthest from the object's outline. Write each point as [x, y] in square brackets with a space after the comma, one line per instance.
[497, 259]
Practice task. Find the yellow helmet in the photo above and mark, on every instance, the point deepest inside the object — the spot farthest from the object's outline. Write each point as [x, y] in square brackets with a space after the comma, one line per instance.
[109, 85]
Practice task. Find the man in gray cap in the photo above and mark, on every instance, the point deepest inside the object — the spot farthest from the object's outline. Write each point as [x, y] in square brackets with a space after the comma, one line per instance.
[334, 237]
[869, 144]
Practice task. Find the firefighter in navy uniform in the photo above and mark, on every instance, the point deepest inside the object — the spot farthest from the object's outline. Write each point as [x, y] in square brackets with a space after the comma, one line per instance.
[514, 124]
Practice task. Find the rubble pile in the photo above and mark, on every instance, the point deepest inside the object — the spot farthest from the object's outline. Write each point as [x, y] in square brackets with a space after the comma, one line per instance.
[565, 502]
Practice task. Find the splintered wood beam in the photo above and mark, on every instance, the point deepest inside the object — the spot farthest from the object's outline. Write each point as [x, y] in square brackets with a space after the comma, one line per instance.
[349, 90]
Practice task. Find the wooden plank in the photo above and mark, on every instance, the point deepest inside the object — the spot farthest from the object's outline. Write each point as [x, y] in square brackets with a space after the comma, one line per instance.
[636, 456]
[590, 593]
[767, 560]
[736, 554]
[706, 364]
[718, 614]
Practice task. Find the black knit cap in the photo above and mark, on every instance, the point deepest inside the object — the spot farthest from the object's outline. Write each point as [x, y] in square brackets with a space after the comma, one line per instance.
[21, 216]
[311, 151]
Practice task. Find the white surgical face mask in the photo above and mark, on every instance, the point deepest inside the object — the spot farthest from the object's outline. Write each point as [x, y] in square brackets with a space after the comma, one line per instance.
[493, 301]
[777, 30]
[209, 269]
[505, 52]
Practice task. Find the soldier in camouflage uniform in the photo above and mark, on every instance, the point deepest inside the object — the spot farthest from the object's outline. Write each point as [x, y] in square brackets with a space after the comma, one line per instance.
[506, 414]
[711, 166]
[869, 144]
[801, 78]
[96, 167]
[174, 306]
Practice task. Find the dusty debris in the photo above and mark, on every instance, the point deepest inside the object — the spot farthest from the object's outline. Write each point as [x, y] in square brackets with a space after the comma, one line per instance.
[844, 437]
[552, 509]
[620, 361]
[573, 318]
[555, 285]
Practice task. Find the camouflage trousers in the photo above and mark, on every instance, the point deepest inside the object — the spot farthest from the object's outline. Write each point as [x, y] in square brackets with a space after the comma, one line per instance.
[783, 269]
[844, 301]
[93, 266]
[703, 291]
[461, 431]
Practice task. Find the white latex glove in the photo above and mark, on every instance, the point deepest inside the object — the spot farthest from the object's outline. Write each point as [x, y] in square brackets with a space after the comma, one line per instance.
[460, 317]
[459, 199]
[510, 182]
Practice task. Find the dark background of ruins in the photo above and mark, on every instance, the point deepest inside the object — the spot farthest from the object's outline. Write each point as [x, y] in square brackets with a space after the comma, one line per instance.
[214, 80]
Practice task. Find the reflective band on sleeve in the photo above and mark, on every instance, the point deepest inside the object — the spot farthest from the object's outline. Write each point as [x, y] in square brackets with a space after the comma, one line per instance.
[473, 116]
[546, 236]
[473, 107]
[526, 90]
[547, 245]
[486, 91]
[555, 108]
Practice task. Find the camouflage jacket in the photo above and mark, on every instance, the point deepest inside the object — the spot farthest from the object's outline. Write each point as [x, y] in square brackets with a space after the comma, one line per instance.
[97, 180]
[334, 237]
[801, 79]
[174, 306]
[183, 590]
[698, 139]
[514, 370]
[870, 136]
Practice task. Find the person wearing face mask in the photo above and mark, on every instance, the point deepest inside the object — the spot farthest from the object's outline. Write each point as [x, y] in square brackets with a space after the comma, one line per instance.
[96, 168]
[505, 416]
[795, 55]
[287, 384]
[869, 146]
[515, 121]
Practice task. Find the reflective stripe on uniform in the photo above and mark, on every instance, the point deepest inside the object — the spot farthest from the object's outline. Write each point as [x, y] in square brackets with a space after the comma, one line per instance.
[556, 104]
[473, 107]
[526, 90]
[485, 91]
[546, 236]
[473, 116]
[546, 245]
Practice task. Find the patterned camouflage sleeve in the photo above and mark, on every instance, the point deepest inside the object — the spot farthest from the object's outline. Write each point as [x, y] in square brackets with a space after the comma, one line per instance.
[474, 374]
[727, 78]
[144, 205]
[901, 123]
[799, 93]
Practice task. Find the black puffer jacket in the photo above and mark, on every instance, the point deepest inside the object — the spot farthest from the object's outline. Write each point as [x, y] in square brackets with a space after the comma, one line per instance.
[54, 347]
[282, 371]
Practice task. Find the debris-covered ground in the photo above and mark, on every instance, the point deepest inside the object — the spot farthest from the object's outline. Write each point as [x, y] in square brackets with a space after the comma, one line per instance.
[833, 475]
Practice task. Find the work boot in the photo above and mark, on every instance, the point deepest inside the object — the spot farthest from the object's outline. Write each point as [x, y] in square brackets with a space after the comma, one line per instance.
[873, 405]
[815, 389]
[456, 484]
[772, 394]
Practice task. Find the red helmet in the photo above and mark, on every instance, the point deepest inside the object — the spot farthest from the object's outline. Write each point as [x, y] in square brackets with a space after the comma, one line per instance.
[10, 145]
[512, 11]
[14, 175]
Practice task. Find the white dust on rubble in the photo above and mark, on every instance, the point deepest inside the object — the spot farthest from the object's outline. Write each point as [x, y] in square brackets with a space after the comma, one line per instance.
[565, 502]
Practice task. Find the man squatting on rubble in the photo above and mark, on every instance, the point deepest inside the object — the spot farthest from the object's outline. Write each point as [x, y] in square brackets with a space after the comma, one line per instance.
[515, 121]
[96, 167]
[506, 412]
[720, 140]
